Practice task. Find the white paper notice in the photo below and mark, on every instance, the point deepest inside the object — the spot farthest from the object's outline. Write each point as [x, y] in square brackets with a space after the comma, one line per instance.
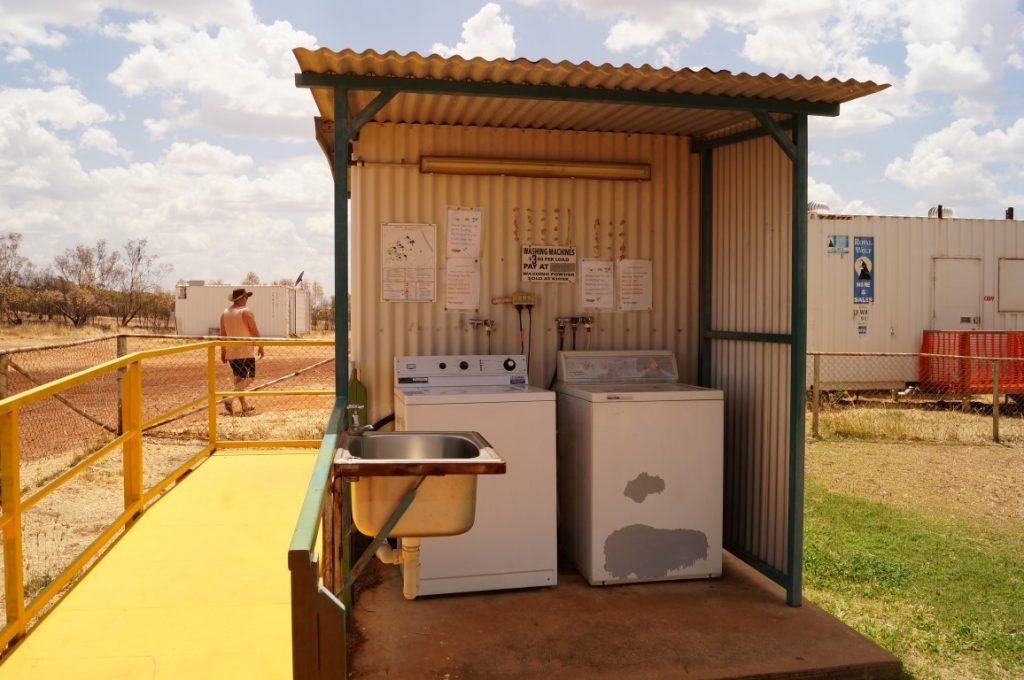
[465, 231]
[635, 285]
[597, 284]
[462, 283]
[408, 262]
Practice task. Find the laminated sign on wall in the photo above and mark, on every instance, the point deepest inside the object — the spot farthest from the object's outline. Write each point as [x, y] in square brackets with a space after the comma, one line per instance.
[549, 264]
[408, 262]
[462, 263]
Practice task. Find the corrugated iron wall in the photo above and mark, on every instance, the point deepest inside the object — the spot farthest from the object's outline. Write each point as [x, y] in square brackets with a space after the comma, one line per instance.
[751, 293]
[653, 220]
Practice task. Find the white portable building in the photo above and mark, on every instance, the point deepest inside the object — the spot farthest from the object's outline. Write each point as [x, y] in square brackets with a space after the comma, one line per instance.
[281, 311]
[926, 273]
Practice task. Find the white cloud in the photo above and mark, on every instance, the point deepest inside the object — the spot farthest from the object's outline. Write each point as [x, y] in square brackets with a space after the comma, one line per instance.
[821, 192]
[17, 54]
[54, 75]
[779, 47]
[1016, 61]
[486, 34]
[209, 211]
[628, 34]
[241, 78]
[41, 23]
[851, 155]
[102, 140]
[958, 165]
[816, 159]
[856, 117]
[157, 128]
[943, 67]
[205, 159]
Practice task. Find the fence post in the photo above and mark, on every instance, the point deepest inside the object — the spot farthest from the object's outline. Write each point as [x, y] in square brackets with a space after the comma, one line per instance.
[995, 400]
[816, 401]
[211, 379]
[131, 414]
[5, 363]
[10, 492]
[122, 349]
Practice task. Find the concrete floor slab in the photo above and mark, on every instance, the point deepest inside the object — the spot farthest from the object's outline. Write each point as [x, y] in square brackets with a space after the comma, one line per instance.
[737, 626]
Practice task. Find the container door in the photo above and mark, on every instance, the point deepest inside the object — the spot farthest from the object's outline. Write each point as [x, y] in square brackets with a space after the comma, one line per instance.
[956, 294]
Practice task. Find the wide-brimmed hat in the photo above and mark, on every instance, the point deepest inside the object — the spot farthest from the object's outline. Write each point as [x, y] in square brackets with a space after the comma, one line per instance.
[238, 293]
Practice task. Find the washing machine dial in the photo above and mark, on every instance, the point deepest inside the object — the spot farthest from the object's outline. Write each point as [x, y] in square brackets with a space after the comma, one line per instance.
[509, 364]
[463, 365]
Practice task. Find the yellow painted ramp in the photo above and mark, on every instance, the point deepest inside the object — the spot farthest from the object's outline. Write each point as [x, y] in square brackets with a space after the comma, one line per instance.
[198, 588]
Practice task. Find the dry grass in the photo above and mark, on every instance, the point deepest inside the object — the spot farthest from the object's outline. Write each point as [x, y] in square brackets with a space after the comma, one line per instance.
[939, 422]
[980, 482]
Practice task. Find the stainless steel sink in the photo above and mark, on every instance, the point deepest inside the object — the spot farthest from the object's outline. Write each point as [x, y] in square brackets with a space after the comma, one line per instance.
[392, 447]
[383, 466]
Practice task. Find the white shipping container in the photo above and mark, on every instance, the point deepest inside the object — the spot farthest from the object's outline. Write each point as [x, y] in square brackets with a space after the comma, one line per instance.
[927, 273]
[197, 309]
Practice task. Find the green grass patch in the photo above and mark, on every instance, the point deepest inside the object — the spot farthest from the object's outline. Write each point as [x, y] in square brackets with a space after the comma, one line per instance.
[944, 594]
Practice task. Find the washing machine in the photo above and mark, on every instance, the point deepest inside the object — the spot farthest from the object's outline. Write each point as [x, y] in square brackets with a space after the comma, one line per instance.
[513, 541]
[639, 468]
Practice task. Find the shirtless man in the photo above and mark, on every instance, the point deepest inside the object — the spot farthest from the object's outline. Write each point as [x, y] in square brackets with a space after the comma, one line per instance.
[237, 321]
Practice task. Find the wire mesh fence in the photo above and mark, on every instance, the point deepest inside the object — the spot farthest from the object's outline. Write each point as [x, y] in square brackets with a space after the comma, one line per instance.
[948, 397]
[87, 416]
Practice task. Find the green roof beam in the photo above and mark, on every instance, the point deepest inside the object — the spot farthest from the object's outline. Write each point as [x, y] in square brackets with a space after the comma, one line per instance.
[564, 93]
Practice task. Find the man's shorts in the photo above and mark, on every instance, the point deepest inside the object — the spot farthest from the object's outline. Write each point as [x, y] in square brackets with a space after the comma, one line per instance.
[243, 368]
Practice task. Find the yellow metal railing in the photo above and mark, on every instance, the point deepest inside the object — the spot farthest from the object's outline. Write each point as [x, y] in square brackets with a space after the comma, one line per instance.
[131, 441]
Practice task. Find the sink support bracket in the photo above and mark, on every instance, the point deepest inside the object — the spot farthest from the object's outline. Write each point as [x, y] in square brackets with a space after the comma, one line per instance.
[368, 554]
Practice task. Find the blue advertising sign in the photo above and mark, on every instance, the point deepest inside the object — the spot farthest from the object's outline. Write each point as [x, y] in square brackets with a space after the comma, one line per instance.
[863, 269]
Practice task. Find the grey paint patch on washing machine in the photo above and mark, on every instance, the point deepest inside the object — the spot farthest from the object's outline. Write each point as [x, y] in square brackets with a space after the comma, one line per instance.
[643, 486]
[646, 552]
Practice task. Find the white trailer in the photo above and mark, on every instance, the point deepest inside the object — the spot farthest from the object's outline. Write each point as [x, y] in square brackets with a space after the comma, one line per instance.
[925, 273]
[281, 311]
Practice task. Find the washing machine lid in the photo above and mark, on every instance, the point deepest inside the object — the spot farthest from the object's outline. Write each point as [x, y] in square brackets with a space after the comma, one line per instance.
[412, 395]
[629, 392]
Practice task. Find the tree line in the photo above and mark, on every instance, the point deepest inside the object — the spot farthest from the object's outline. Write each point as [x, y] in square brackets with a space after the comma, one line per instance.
[83, 283]
[87, 282]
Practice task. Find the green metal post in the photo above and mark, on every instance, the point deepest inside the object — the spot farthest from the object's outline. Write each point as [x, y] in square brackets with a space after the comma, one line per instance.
[704, 294]
[341, 229]
[798, 367]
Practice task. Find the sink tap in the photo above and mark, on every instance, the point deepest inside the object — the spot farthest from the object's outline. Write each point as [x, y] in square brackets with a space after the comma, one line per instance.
[360, 429]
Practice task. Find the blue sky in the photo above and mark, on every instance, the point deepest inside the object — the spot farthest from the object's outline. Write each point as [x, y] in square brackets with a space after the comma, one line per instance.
[178, 120]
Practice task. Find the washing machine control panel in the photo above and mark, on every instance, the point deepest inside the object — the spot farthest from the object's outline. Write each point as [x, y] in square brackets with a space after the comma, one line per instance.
[459, 370]
[651, 366]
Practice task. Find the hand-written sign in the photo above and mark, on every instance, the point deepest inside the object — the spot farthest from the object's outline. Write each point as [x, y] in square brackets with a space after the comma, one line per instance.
[549, 264]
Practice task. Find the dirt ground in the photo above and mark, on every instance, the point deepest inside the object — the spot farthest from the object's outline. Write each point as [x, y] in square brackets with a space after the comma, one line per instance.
[983, 482]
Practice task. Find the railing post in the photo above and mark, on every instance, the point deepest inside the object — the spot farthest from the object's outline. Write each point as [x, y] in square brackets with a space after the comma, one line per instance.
[995, 400]
[816, 407]
[122, 349]
[10, 492]
[211, 379]
[131, 417]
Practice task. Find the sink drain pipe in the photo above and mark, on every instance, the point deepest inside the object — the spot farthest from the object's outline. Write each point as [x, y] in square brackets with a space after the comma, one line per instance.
[409, 557]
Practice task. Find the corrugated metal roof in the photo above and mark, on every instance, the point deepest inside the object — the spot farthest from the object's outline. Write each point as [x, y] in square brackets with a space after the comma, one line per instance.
[496, 111]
